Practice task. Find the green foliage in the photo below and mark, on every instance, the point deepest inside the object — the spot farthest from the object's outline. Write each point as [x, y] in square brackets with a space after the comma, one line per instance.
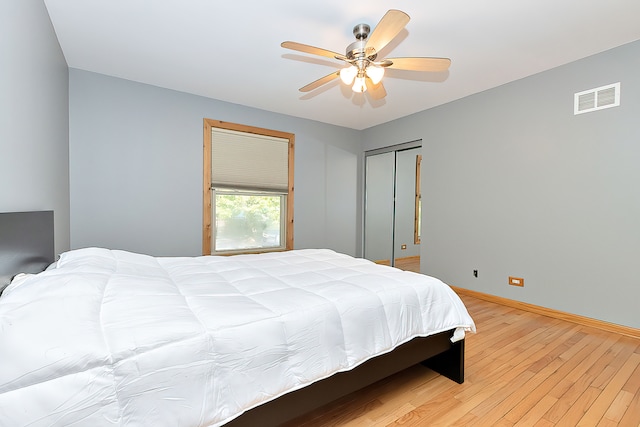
[247, 218]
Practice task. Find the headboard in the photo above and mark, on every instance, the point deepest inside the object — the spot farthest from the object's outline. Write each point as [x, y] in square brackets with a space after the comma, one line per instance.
[26, 243]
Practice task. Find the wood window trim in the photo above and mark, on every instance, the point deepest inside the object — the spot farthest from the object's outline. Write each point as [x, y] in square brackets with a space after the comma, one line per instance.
[209, 124]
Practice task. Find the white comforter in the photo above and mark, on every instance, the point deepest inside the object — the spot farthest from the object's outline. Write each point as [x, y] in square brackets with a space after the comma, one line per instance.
[117, 338]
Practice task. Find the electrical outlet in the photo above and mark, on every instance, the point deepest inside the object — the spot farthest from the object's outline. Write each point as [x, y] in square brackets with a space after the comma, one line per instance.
[475, 273]
[516, 281]
[403, 247]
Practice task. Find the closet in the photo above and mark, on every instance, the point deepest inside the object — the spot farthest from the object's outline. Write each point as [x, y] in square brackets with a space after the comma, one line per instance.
[393, 206]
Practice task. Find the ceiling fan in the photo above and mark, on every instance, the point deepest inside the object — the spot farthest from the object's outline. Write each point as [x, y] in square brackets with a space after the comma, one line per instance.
[365, 70]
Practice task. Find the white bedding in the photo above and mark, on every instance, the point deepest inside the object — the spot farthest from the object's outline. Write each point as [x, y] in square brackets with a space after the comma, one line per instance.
[116, 338]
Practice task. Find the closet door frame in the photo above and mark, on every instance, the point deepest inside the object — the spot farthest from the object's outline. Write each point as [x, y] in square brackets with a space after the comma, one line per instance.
[389, 149]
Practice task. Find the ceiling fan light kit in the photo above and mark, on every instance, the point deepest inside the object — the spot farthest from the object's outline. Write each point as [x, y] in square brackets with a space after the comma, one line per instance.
[352, 74]
[348, 74]
[375, 73]
[359, 85]
[364, 70]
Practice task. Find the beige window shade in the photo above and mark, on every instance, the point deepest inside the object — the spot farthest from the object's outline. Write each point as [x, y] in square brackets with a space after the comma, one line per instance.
[249, 161]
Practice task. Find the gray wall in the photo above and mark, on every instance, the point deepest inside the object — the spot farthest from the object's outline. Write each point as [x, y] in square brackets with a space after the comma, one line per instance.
[34, 116]
[514, 184]
[136, 169]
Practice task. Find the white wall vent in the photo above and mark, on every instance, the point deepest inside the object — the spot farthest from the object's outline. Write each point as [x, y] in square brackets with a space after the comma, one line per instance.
[597, 99]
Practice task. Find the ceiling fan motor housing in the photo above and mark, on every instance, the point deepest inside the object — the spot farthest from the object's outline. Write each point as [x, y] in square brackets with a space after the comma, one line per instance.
[361, 31]
[357, 50]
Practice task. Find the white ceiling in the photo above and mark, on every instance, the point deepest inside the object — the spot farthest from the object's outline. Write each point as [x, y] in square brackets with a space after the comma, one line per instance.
[230, 50]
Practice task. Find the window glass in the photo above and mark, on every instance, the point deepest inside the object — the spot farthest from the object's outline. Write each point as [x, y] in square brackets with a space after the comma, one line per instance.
[247, 221]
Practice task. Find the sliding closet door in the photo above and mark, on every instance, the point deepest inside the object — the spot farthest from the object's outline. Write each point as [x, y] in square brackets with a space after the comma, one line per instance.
[390, 221]
[406, 242]
[379, 207]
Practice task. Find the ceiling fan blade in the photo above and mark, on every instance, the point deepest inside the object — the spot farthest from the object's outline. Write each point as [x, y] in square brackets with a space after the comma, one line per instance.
[420, 64]
[322, 80]
[387, 29]
[312, 50]
[375, 91]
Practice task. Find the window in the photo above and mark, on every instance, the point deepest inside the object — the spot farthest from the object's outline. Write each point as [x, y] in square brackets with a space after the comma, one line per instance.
[247, 189]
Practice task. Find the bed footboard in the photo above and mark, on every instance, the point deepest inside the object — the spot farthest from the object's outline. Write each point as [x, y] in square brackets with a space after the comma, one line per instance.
[449, 363]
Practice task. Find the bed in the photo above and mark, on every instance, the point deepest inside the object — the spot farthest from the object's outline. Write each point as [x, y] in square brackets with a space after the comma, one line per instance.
[109, 337]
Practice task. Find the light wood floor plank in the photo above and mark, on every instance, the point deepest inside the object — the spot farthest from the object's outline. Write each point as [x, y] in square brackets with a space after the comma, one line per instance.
[573, 397]
[596, 411]
[632, 414]
[619, 406]
[573, 413]
[536, 413]
[633, 384]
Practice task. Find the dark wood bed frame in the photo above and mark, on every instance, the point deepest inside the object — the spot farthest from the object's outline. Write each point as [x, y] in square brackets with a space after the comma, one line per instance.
[27, 246]
[436, 352]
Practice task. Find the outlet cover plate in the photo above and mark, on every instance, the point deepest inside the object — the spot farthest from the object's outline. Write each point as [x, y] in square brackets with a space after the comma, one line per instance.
[516, 281]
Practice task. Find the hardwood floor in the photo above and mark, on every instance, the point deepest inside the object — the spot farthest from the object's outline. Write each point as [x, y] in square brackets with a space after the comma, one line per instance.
[522, 369]
[411, 263]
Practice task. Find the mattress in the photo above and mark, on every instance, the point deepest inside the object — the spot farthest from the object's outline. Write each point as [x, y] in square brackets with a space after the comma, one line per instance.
[115, 338]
